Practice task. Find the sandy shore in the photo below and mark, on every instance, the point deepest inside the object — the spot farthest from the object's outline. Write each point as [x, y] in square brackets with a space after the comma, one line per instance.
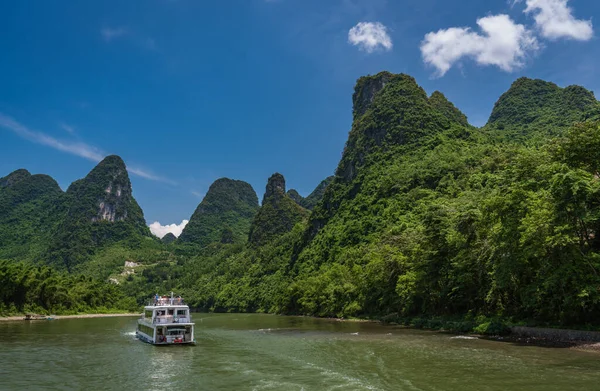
[588, 347]
[15, 318]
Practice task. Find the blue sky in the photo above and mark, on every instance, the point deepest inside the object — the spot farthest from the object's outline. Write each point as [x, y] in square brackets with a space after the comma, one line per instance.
[190, 91]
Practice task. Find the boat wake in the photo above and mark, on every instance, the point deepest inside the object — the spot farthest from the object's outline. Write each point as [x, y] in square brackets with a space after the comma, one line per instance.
[129, 334]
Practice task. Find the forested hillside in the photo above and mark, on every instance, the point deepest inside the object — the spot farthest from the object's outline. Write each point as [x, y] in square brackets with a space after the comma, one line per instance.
[30, 208]
[224, 215]
[426, 216]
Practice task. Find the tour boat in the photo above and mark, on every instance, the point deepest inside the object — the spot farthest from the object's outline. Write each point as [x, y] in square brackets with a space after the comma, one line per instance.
[166, 321]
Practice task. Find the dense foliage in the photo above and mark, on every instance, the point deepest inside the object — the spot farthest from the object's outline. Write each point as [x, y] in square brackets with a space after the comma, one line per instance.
[538, 108]
[40, 223]
[30, 208]
[40, 289]
[168, 238]
[101, 211]
[446, 221]
[228, 205]
[294, 195]
[278, 214]
[313, 198]
[427, 218]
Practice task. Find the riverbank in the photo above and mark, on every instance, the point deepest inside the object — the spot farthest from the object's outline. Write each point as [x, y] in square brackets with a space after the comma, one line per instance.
[586, 346]
[81, 316]
[501, 330]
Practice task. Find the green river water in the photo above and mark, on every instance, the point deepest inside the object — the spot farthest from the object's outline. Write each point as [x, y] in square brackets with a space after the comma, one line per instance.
[265, 352]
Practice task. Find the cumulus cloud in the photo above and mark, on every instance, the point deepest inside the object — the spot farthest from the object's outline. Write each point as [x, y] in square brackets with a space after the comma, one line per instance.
[555, 20]
[80, 149]
[161, 230]
[502, 43]
[110, 34]
[370, 37]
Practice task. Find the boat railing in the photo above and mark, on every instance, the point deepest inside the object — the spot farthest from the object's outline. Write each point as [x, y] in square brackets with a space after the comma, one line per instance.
[164, 301]
[164, 319]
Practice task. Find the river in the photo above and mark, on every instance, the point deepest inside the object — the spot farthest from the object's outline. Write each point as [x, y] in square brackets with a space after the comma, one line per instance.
[266, 352]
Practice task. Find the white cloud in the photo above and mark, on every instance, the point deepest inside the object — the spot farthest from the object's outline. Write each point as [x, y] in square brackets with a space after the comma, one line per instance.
[75, 148]
[161, 230]
[148, 175]
[370, 37]
[555, 20]
[68, 128]
[502, 43]
[80, 149]
[109, 33]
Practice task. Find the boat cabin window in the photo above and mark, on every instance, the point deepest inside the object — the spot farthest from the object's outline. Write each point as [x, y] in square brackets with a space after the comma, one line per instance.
[181, 313]
[148, 314]
[171, 312]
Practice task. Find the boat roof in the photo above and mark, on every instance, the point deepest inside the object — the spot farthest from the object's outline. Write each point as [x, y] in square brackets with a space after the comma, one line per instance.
[165, 306]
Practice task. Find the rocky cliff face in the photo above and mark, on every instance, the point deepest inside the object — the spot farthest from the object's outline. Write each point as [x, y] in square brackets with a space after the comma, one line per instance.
[275, 188]
[366, 89]
[100, 210]
[229, 206]
[105, 194]
[293, 194]
[390, 110]
[278, 213]
[108, 210]
[392, 115]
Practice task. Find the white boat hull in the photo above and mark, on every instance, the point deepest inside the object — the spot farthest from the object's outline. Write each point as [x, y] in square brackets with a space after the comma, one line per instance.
[166, 322]
[142, 337]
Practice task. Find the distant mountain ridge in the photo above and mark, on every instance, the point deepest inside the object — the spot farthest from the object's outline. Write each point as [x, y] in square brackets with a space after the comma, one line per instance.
[105, 194]
[537, 106]
[278, 213]
[228, 205]
[43, 223]
[313, 198]
[427, 217]
[30, 208]
[100, 211]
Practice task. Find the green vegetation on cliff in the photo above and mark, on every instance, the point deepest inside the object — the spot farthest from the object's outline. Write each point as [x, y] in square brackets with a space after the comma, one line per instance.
[168, 238]
[229, 205]
[278, 214]
[426, 217]
[294, 195]
[40, 289]
[430, 217]
[316, 196]
[539, 108]
[30, 208]
[100, 211]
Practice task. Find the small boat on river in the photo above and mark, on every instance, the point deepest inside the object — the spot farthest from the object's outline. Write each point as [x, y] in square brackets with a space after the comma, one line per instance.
[31, 316]
[166, 321]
